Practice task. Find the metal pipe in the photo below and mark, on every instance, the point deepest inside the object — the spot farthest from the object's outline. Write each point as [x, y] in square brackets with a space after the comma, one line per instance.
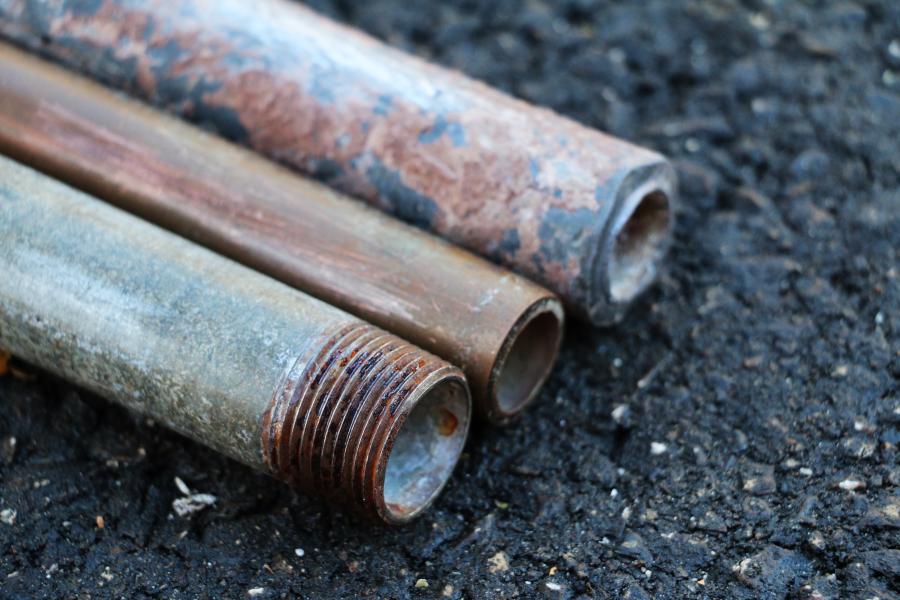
[502, 329]
[583, 213]
[235, 360]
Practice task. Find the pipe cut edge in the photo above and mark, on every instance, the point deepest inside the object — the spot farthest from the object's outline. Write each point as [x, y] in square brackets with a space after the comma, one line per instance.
[525, 359]
[423, 448]
[635, 243]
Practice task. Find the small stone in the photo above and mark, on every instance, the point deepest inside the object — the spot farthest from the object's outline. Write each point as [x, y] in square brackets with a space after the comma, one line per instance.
[8, 450]
[759, 479]
[857, 447]
[885, 514]
[421, 584]
[498, 563]
[772, 572]
[8, 516]
[816, 541]
[101, 523]
[851, 485]
[257, 591]
[657, 448]
[447, 592]
[894, 49]
[633, 546]
[886, 562]
[621, 414]
[299, 552]
[552, 589]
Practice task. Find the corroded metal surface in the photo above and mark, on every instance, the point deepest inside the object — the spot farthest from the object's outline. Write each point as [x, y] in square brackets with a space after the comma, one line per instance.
[530, 189]
[502, 329]
[229, 357]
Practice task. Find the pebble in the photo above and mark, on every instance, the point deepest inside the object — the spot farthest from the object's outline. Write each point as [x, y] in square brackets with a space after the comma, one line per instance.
[257, 591]
[884, 514]
[886, 562]
[621, 413]
[772, 572]
[498, 563]
[8, 516]
[633, 546]
[657, 448]
[759, 479]
[851, 485]
[299, 552]
[421, 584]
[8, 450]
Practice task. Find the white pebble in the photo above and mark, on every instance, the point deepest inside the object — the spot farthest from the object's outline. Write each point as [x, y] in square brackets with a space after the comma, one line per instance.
[8, 516]
[657, 448]
[851, 485]
[894, 48]
[620, 412]
[255, 591]
[299, 552]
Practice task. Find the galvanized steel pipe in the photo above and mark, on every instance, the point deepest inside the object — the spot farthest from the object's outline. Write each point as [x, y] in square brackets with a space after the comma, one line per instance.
[583, 213]
[238, 361]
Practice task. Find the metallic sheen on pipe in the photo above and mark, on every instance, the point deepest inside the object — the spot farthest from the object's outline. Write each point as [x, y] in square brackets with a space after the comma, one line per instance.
[237, 361]
[583, 213]
[502, 329]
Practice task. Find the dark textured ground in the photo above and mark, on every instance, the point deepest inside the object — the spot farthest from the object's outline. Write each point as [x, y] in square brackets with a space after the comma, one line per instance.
[697, 450]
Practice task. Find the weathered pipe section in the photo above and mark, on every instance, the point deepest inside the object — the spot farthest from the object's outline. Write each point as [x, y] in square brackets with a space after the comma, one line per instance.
[586, 214]
[502, 329]
[240, 362]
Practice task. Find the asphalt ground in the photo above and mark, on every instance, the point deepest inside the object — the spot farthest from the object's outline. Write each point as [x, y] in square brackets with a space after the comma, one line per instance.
[735, 437]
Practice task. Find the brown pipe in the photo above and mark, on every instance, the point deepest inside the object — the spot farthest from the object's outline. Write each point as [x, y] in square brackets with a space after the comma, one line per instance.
[502, 329]
[231, 358]
[583, 213]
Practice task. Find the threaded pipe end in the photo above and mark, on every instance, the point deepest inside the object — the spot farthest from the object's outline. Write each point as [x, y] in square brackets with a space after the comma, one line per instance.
[370, 421]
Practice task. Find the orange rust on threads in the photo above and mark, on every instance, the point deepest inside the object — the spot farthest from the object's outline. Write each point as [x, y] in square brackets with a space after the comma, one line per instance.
[427, 291]
[326, 427]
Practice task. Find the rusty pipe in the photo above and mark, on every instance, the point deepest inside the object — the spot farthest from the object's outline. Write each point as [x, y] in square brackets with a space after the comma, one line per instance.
[235, 360]
[581, 212]
[502, 329]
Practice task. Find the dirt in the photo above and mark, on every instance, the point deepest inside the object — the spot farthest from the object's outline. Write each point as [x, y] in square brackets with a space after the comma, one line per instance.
[735, 437]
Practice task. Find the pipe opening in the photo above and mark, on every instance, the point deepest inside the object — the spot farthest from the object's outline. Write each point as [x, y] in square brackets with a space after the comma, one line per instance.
[526, 359]
[640, 243]
[426, 449]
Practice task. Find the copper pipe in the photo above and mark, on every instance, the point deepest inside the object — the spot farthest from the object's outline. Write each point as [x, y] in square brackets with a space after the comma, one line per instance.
[235, 360]
[583, 213]
[502, 329]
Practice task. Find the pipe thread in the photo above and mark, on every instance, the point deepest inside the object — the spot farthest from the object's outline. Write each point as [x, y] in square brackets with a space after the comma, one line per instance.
[331, 426]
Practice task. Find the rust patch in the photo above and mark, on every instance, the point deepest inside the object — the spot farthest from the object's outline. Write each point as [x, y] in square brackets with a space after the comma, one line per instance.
[448, 423]
[4, 362]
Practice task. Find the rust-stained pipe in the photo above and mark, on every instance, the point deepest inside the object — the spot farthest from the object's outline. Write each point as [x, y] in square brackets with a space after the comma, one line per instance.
[502, 329]
[584, 213]
[238, 361]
